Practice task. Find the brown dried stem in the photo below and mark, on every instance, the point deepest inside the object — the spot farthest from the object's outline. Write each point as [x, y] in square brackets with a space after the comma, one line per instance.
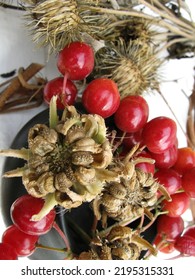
[191, 120]
[26, 91]
[164, 20]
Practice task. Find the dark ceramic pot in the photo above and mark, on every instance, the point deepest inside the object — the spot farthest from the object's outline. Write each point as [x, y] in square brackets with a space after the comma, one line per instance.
[12, 188]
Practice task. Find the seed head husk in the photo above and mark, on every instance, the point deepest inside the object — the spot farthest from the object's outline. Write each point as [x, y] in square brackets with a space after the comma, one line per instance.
[56, 23]
[133, 66]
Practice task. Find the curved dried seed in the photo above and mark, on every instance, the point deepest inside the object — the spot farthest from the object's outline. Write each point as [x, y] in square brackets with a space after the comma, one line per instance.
[62, 183]
[82, 158]
[117, 190]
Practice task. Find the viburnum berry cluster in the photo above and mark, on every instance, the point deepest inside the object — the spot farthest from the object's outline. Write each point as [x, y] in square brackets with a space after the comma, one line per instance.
[113, 157]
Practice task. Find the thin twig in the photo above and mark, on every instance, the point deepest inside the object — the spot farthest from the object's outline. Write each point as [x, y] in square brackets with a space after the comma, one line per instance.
[12, 7]
[183, 29]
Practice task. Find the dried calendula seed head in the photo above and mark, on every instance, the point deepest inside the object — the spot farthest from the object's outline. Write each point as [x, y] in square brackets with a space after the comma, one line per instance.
[72, 168]
[127, 197]
[119, 243]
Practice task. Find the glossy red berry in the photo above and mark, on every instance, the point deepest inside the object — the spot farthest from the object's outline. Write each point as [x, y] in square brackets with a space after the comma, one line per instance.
[101, 96]
[24, 244]
[7, 252]
[170, 227]
[185, 160]
[179, 204]
[163, 245]
[55, 88]
[185, 245]
[167, 158]
[132, 139]
[132, 114]
[190, 232]
[22, 211]
[188, 182]
[76, 60]
[159, 134]
[169, 178]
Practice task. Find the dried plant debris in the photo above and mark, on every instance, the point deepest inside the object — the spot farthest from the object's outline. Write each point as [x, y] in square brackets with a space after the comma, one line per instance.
[69, 161]
[20, 92]
[57, 23]
[129, 197]
[121, 243]
[73, 160]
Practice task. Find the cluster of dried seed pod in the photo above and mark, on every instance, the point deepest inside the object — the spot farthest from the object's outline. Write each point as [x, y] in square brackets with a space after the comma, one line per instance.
[121, 243]
[69, 160]
[131, 195]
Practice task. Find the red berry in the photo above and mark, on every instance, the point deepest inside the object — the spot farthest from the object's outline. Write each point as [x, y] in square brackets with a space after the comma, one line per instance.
[163, 245]
[7, 252]
[185, 245]
[190, 232]
[76, 60]
[170, 227]
[24, 244]
[188, 182]
[55, 88]
[169, 178]
[22, 211]
[179, 204]
[185, 160]
[159, 134]
[132, 114]
[132, 139]
[101, 97]
[145, 166]
[165, 159]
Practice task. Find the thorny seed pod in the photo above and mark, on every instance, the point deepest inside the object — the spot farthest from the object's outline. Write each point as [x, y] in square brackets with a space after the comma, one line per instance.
[139, 30]
[121, 243]
[59, 22]
[133, 66]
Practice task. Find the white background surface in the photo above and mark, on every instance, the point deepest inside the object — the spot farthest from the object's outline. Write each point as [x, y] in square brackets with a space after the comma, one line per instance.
[17, 50]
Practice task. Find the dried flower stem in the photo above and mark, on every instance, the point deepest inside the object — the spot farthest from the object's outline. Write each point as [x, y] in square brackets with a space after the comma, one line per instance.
[15, 84]
[191, 120]
[60, 250]
[8, 6]
[53, 116]
[167, 14]
[182, 29]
